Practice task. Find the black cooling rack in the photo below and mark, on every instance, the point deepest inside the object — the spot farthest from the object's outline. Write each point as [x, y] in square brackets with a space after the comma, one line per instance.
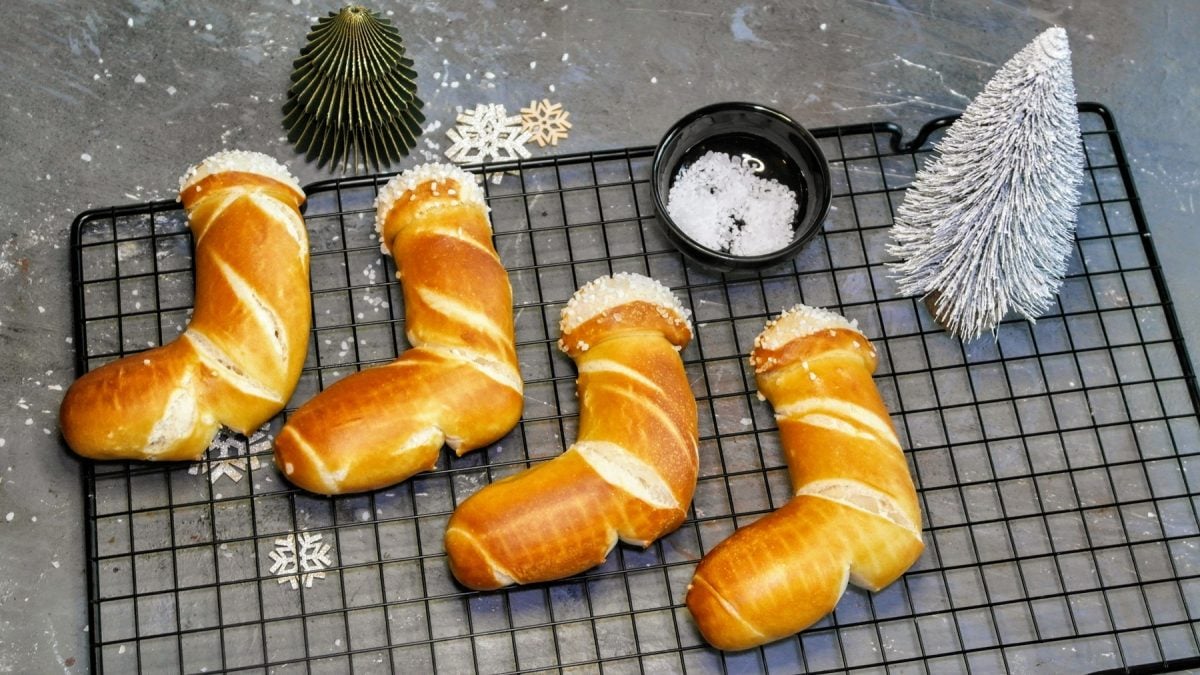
[1055, 465]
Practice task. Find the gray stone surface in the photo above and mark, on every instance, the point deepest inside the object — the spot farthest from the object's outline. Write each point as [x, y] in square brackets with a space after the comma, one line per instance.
[106, 103]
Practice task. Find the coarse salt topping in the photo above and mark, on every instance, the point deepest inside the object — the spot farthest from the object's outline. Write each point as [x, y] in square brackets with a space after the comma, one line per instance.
[468, 190]
[239, 160]
[798, 322]
[605, 293]
[722, 204]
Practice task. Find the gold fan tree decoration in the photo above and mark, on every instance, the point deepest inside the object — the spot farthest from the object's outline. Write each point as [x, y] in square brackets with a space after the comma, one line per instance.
[353, 98]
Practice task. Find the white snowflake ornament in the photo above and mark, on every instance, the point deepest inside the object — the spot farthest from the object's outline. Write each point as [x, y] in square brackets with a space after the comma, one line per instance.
[300, 559]
[987, 226]
[234, 454]
[487, 133]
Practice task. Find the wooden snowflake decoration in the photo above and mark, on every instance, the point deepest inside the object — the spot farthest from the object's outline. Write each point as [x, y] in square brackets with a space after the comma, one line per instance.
[546, 122]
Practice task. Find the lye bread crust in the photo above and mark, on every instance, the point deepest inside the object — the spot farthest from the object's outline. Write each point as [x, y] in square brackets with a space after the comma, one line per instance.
[458, 385]
[854, 517]
[240, 358]
[632, 471]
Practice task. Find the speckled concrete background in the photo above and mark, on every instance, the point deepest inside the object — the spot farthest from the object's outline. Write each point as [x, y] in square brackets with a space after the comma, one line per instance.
[107, 103]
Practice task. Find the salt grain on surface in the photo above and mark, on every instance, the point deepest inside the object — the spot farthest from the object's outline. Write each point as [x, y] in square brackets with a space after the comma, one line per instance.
[722, 205]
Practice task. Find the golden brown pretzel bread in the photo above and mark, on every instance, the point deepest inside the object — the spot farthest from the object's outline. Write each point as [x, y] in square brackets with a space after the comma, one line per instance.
[632, 471]
[854, 517]
[458, 385]
[239, 359]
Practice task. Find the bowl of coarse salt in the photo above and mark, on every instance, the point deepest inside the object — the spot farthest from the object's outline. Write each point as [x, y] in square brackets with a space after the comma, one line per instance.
[739, 186]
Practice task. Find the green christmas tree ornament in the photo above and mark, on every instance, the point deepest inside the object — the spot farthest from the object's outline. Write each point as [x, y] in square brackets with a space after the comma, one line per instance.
[353, 98]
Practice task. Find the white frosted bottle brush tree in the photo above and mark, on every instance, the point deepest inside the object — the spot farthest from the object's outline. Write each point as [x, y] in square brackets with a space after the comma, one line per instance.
[987, 226]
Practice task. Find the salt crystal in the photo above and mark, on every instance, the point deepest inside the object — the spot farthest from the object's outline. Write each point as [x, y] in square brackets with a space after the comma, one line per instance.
[824, 26]
[490, 75]
[208, 26]
[129, 22]
[8, 517]
[139, 79]
[565, 56]
[171, 91]
[720, 203]
[654, 80]
[532, 65]
[192, 23]
[85, 157]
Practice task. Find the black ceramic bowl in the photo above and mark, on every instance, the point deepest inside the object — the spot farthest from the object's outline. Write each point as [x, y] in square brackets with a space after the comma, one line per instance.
[788, 154]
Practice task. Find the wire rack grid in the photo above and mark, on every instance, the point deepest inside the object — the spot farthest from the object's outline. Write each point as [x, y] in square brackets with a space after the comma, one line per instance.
[1055, 464]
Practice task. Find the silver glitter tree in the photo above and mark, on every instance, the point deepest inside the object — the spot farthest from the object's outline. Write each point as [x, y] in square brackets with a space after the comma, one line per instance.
[988, 224]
